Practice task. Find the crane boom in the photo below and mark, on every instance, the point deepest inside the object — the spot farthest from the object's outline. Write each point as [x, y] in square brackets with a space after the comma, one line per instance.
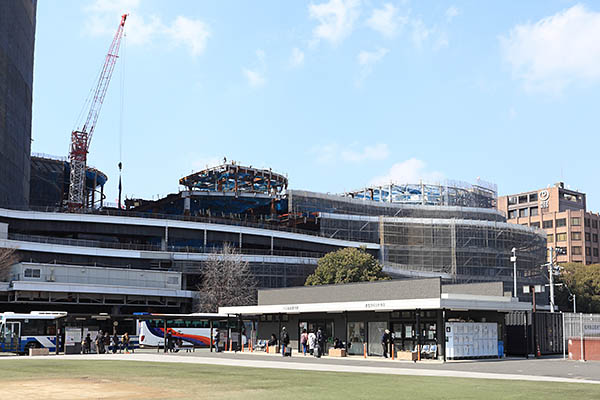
[82, 136]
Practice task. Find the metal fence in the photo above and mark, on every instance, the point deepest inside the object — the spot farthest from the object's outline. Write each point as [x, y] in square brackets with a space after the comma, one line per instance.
[579, 328]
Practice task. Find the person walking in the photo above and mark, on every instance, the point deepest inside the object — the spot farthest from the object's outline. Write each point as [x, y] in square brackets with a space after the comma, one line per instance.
[312, 342]
[284, 341]
[385, 342]
[169, 343]
[304, 341]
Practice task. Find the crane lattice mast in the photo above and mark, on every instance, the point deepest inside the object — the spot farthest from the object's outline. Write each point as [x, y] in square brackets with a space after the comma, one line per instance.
[82, 136]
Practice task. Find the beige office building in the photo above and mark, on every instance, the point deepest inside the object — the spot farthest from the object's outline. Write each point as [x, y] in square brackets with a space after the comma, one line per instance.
[561, 212]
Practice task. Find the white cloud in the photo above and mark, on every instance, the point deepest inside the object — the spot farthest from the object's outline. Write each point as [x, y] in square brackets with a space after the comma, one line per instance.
[410, 171]
[420, 33]
[103, 17]
[191, 33]
[366, 58]
[386, 20]
[256, 75]
[556, 51]
[297, 57]
[353, 153]
[336, 19]
[451, 12]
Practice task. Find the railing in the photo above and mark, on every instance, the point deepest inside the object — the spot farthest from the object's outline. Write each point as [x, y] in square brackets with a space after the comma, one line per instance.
[148, 247]
[259, 224]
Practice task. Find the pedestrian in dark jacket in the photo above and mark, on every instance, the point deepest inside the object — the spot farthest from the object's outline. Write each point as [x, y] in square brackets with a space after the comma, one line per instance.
[115, 340]
[285, 340]
[99, 342]
[385, 342]
[320, 343]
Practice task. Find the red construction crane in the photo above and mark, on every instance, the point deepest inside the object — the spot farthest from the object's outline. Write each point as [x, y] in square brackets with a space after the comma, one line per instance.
[82, 136]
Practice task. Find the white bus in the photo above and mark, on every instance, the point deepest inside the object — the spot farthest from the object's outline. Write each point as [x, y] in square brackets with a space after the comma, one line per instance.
[19, 331]
[192, 329]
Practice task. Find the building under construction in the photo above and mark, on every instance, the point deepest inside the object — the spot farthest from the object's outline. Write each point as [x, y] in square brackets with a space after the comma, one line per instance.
[456, 235]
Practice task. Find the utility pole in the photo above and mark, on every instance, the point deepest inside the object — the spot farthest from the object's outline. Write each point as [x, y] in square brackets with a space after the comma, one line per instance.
[514, 260]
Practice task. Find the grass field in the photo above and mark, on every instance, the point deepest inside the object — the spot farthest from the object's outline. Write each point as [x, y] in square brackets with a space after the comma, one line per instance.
[56, 379]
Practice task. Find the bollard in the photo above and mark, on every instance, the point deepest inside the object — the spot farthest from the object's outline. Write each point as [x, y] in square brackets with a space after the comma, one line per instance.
[365, 350]
[225, 345]
[242, 346]
[418, 352]
[230, 344]
[392, 351]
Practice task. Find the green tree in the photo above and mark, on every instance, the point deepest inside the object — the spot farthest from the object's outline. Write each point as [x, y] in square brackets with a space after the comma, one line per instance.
[584, 282]
[345, 266]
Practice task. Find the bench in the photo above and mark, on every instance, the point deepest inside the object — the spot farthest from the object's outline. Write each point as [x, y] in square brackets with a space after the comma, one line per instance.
[39, 352]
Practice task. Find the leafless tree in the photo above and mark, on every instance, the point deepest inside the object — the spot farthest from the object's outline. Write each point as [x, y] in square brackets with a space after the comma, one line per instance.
[8, 258]
[226, 281]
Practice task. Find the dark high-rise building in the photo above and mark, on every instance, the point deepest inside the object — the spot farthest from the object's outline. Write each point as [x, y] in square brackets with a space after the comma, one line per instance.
[17, 36]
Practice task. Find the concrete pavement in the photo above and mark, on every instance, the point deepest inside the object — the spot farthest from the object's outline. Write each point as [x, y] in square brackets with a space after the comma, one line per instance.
[544, 370]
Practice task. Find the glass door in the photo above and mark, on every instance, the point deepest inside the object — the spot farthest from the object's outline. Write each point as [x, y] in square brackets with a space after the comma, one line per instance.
[376, 330]
[356, 338]
[11, 336]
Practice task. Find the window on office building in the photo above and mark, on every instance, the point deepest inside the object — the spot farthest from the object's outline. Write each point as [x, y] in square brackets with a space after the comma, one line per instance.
[576, 221]
[561, 251]
[576, 235]
[587, 236]
[512, 214]
[512, 200]
[523, 199]
[576, 250]
[535, 225]
[533, 197]
[587, 222]
[550, 238]
[595, 237]
[561, 222]
[588, 251]
[561, 237]
[595, 223]
[595, 252]
[523, 212]
[533, 211]
[547, 224]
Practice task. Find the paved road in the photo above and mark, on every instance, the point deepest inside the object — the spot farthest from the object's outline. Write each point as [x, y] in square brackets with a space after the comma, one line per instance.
[546, 370]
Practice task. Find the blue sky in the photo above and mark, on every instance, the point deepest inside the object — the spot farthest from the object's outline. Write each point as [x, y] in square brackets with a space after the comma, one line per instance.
[337, 94]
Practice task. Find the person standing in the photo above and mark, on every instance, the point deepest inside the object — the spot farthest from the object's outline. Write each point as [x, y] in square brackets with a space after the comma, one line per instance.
[385, 342]
[285, 340]
[319, 347]
[125, 342]
[312, 342]
[216, 339]
[115, 340]
[100, 342]
[169, 343]
[87, 344]
[304, 341]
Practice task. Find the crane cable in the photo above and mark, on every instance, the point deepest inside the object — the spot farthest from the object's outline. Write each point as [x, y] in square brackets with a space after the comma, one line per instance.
[121, 113]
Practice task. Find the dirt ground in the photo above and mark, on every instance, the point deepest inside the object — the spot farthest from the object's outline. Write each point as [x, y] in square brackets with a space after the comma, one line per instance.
[80, 388]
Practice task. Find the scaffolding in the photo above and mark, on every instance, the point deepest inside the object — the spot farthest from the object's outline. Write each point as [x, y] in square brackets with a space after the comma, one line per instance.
[460, 250]
[451, 193]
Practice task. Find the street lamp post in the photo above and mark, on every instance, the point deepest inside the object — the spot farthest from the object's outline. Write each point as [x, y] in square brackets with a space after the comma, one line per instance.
[551, 275]
[514, 261]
